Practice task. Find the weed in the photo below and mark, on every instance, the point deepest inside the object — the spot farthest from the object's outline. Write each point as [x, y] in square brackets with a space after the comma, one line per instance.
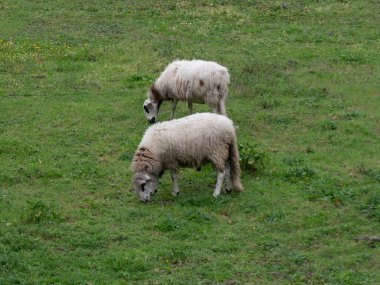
[130, 267]
[293, 161]
[372, 173]
[270, 104]
[299, 173]
[274, 217]
[126, 156]
[250, 207]
[38, 212]
[136, 213]
[328, 190]
[297, 258]
[197, 216]
[169, 224]
[281, 121]
[269, 244]
[138, 80]
[371, 208]
[309, 149]
[251, 159]
[350, 58]
[350, 115]
[329, 125]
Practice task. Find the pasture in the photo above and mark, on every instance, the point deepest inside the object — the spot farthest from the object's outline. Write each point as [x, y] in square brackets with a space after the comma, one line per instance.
[304, 93]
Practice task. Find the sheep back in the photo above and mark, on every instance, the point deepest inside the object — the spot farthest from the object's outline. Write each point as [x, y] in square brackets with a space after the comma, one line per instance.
[190, 142]
[195, 81]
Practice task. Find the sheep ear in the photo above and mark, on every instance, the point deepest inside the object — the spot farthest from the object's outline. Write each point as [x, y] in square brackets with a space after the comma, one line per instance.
[147, 178]
[142, 179]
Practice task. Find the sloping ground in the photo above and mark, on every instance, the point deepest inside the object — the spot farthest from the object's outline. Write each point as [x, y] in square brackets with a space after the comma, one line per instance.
[305, 93]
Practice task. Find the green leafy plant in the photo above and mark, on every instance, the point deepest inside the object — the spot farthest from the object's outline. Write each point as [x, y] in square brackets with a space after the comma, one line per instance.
[38, 212]
[329, 125]
[372, 173]
[371, 208]
[251, 159]
[299, 173]
[168, 224]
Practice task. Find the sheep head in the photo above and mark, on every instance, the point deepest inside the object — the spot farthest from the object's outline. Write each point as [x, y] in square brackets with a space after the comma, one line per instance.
[145, 185]
[151, 110]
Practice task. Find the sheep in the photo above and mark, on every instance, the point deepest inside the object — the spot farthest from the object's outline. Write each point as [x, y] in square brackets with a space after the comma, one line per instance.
[191, 141]
[194, 81]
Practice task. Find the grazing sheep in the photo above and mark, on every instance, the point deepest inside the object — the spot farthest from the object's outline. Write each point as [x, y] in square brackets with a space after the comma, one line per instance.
[188, 142]
[194, 81]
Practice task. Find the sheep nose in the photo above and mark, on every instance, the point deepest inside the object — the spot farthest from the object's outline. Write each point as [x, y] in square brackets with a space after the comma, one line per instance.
[153, 120]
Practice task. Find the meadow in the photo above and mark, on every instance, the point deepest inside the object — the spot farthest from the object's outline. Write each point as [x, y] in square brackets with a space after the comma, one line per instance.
[304, 93]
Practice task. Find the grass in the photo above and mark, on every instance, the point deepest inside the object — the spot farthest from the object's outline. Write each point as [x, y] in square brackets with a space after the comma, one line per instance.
[305, 81]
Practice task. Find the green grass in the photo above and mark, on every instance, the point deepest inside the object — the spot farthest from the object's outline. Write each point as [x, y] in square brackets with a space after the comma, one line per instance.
[305, 93]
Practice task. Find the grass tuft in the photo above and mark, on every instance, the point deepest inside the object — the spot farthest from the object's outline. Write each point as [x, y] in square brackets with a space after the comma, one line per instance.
[39, 212]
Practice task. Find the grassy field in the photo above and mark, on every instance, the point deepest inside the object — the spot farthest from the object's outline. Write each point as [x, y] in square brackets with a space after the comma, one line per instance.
[305, 93]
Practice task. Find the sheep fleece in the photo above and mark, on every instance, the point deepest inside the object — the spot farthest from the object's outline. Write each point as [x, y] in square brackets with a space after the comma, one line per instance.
[189, 142]
[194, 81]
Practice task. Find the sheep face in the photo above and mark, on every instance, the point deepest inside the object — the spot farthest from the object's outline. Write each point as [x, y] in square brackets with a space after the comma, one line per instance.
[151, 110]
[145, 185]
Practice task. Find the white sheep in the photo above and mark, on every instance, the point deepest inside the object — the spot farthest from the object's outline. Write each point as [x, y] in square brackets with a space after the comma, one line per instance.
[188, 142]
[194, 81]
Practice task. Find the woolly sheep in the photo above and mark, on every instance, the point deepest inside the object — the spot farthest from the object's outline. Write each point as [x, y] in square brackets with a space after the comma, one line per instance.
[188, 142]
[194, 81]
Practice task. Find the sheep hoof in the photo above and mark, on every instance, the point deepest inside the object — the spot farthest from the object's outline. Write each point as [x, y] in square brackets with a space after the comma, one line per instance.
[215, 195]
[175, 193]
[227, 190]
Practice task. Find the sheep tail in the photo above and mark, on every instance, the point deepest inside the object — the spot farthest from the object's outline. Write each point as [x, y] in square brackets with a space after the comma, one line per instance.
[235, 167]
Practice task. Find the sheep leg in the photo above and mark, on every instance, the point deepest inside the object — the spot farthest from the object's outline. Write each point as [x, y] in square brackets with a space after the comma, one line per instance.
[222, 108]
[214, 109]
[174, 106]
[190, 105]
[227, 180]
[219, 183]
[175, 184]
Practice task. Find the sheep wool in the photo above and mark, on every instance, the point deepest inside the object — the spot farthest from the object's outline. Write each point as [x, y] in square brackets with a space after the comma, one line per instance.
[190, 142]
[195, 81]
